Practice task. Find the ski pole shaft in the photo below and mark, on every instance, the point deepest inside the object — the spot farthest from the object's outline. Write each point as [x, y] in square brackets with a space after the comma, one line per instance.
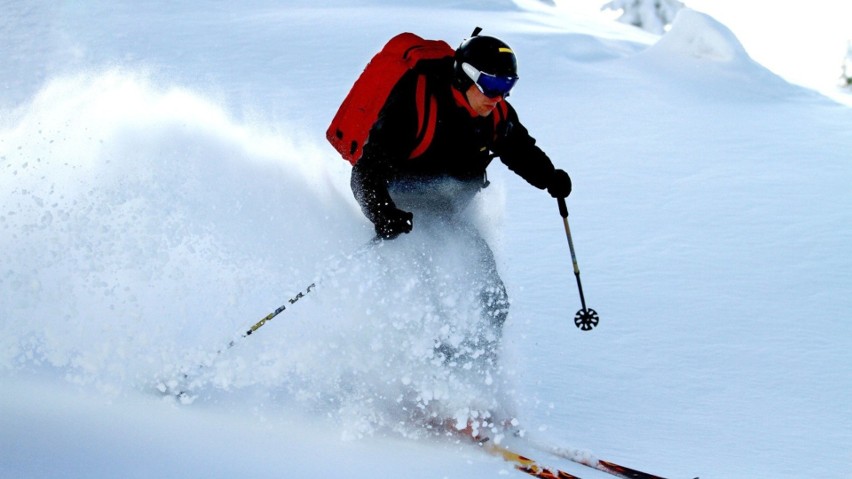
[280, 309]
[586, 318]
[310, 287]
[180, 390]
[563, 211]
[267, 318]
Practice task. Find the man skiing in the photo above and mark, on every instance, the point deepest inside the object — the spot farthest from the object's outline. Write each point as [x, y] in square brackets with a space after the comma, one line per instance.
[468, 89]
[473, 123]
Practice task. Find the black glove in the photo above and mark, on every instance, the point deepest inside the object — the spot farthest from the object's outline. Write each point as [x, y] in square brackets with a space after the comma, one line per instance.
[393, 222]
[560, 184]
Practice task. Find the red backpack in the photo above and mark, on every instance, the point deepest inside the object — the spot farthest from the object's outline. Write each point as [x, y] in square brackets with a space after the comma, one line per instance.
[360, 109]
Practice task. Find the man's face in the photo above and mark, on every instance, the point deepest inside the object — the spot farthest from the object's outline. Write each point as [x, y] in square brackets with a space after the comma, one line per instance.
[482, 104]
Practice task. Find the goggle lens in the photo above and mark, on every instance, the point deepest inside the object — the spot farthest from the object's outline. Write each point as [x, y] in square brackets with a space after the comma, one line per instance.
[495, 86]
[492, 86]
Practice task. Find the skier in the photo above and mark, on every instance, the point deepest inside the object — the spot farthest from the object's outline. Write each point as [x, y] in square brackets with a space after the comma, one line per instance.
[472, 124]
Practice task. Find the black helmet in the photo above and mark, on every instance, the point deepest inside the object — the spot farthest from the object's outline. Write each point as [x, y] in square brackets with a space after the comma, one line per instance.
[489, 56]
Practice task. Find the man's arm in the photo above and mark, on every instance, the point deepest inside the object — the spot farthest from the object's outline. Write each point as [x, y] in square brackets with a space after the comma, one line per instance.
[518, 151]
[369, 184]
[391, 140]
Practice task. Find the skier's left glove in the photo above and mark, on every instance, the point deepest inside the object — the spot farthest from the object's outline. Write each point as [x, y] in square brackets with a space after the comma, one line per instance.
[560, 184]
[393, 222]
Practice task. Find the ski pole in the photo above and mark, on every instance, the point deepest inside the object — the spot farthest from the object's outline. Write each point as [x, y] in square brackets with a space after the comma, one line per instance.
[364, 248]
[178, 386]
[586, 318]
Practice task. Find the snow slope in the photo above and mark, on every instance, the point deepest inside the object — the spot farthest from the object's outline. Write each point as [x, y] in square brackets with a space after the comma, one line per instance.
[165, 183]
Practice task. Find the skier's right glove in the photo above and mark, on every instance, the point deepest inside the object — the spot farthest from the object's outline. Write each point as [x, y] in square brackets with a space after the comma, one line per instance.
[393, 222]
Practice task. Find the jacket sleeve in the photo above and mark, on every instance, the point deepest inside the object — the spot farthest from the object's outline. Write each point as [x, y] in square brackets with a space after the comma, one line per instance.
[518, 151]
[391, 140]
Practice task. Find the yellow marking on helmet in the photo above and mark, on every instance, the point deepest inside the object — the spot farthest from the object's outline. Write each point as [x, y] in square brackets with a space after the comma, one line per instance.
[505, 50]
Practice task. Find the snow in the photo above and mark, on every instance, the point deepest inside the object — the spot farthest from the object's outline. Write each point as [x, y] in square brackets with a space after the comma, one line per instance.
[166, 183]
[805, 44]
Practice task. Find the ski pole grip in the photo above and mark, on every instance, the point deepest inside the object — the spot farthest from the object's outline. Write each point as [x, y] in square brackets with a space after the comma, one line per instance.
[563, 208]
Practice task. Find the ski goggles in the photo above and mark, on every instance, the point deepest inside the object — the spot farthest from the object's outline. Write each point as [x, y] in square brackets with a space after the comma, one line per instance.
[492, 86]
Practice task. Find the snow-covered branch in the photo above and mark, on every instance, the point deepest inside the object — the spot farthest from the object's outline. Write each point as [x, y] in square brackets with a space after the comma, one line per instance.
[650, 15]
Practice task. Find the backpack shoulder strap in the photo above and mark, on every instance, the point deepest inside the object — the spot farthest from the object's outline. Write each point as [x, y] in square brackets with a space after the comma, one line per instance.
[501, 115]
[427, 117]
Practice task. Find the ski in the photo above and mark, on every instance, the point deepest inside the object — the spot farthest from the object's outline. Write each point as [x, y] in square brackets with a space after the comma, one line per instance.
[470, 434]
[532, 467]
[588, 460]
[525, 464]
[623, 472]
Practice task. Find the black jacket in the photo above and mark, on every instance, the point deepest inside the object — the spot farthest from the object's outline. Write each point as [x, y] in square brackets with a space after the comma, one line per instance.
[462, 147]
